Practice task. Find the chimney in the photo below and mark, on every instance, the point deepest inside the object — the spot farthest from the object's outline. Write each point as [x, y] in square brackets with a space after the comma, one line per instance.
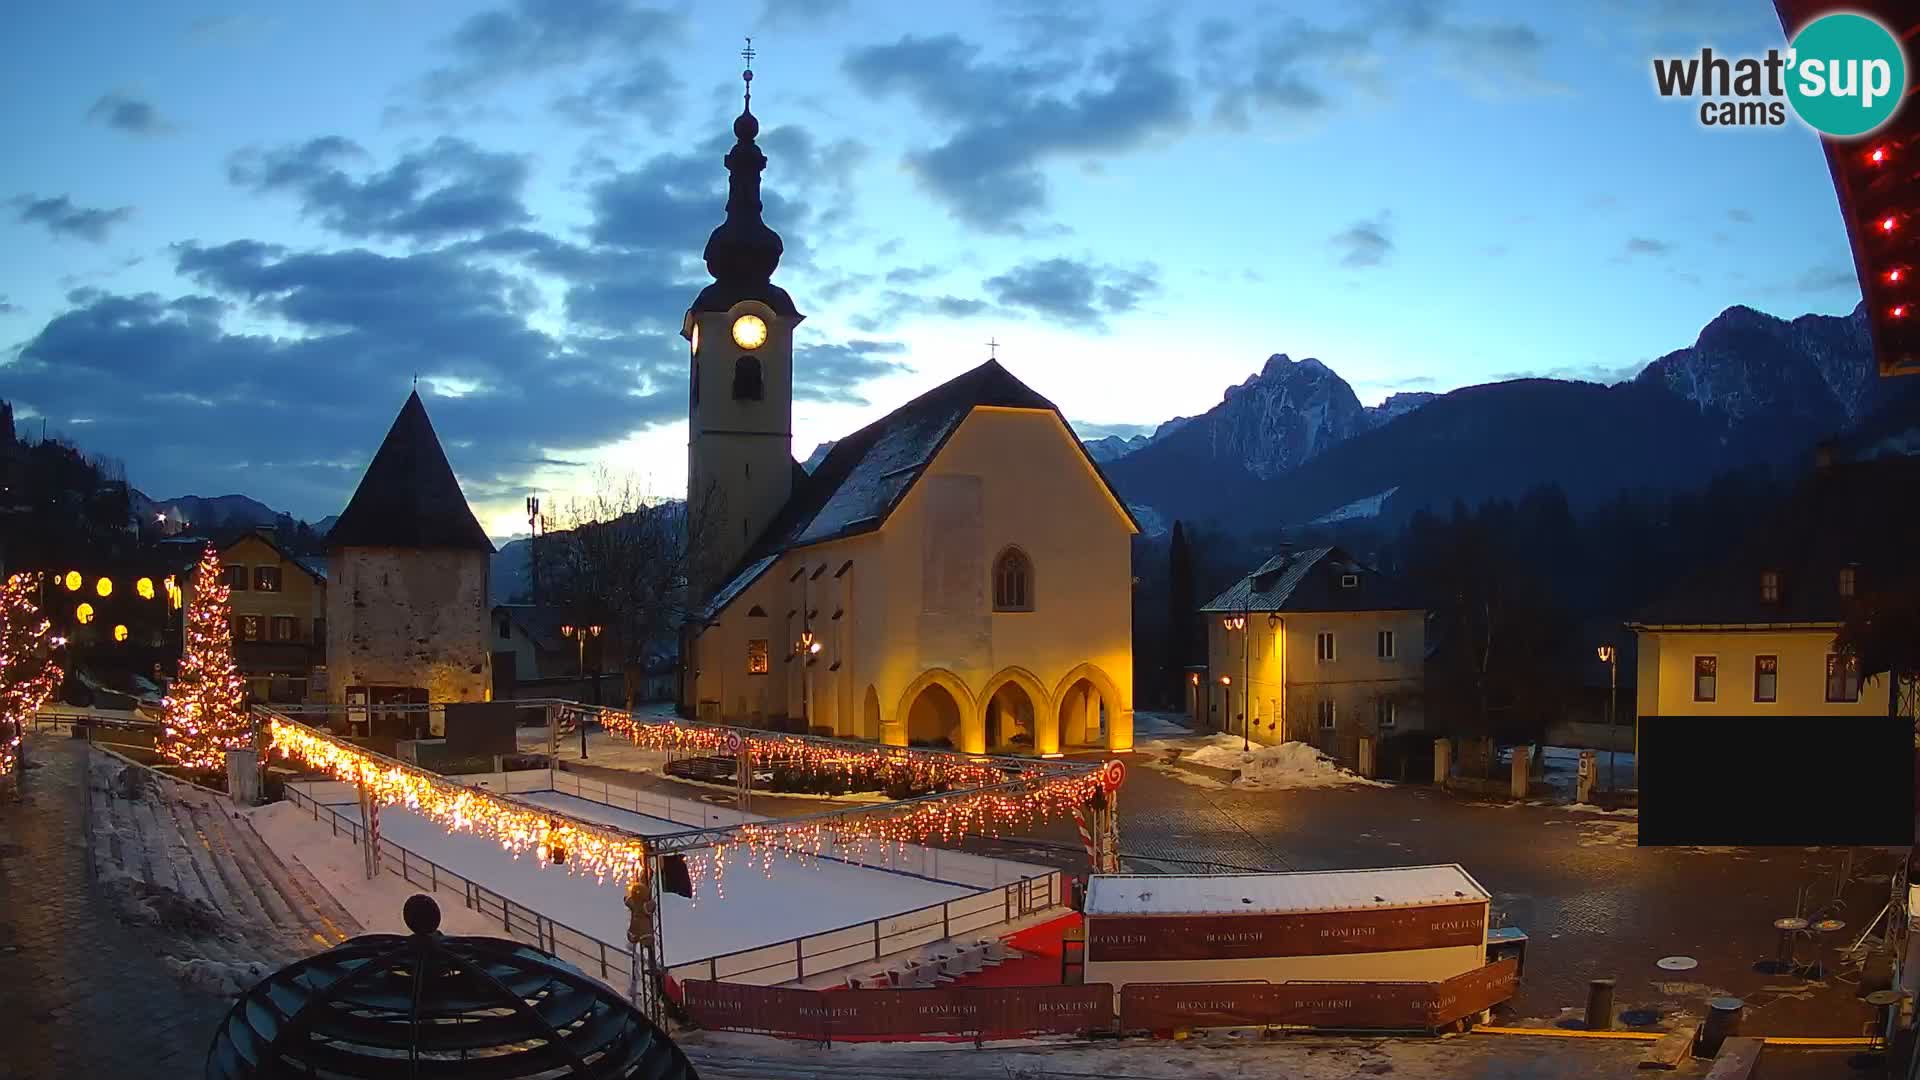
[1823, 454]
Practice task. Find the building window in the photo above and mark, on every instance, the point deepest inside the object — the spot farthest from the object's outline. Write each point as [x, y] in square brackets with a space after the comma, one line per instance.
[1328, 714]
[266, 579]
[249, 628]
[1704, 677]
[1386, 711]
[1770, 586]
[237, 578]
[746, 379]
[757, 656]
[1012, 581]
[284, 628]
[320, 630]
[1843, 678]
[1849, 579]
[1349, 581]
[1766, 678]
[1384, 640]
[1323, 647]
[506, 628]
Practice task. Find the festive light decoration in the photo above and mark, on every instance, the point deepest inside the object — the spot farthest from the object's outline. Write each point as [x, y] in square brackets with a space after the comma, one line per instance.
[84, 613]
[144, 587]
[73, 581]
[28, 672]
[205, 708]
[104, 587]
[120, 632]
[583, 848]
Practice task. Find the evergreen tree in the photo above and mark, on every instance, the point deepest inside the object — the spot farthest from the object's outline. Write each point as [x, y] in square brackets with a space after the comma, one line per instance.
[1180, 610]
[206, 713]
[28, 673]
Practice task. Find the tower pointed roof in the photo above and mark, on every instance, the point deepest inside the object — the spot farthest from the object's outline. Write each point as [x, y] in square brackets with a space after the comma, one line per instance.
[743, 252]
[408, 497]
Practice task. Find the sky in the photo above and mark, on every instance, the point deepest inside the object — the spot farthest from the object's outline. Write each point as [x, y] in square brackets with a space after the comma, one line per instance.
[236, 234]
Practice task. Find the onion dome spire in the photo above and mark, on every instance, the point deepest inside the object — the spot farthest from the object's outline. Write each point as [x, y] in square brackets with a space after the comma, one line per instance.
[743, 252]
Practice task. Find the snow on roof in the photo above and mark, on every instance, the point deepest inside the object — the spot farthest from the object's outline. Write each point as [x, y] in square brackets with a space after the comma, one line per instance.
[1323, 890]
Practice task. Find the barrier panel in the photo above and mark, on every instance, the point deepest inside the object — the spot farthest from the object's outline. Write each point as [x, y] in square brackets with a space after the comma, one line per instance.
[995, 1011]
[1348, 1005]
[1113, 938]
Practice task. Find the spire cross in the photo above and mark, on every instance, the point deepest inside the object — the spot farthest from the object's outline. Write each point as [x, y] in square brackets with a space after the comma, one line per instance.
[748, 54]
[993, 349]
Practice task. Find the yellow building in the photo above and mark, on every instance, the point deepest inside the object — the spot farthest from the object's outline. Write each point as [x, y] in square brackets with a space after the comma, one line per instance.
[1313, 647]
[957, 573]
[279, 605]
[1754, 636]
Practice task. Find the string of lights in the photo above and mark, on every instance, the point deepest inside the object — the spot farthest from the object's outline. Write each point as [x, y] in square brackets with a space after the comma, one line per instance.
[29, 674]
[205, 711]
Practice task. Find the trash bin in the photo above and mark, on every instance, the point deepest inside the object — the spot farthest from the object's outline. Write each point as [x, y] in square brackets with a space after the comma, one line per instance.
[1508, 941]
[1723, 1019]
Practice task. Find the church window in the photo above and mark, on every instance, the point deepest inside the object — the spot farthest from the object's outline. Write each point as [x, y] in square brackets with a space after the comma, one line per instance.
[1012, 581]
[746, 379]
[757, 656]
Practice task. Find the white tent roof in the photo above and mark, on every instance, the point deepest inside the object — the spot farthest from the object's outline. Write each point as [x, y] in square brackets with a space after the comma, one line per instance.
[1323, 890]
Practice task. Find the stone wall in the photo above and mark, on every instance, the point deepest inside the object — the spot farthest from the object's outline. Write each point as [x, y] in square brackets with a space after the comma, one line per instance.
[398, 617]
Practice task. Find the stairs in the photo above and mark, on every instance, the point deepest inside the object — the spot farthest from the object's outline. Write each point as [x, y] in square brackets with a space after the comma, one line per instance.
[184, 859]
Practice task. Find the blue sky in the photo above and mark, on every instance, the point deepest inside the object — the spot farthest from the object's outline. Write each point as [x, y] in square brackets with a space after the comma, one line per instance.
[235, 233]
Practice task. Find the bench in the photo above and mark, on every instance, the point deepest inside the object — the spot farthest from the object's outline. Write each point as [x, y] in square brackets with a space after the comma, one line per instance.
[1737, 1059]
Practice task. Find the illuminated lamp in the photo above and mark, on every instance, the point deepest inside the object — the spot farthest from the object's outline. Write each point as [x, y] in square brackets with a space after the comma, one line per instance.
[1889, 223]
[1877, 156]
[1226, 680]
[120, 632]
[1194, 678]
[1896, 275]
[144, 587]
[73, 581]
[84, 613]
[104, 587]
[1898, 311]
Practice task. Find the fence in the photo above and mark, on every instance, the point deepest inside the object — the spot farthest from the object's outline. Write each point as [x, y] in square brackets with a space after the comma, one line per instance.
[610, 963]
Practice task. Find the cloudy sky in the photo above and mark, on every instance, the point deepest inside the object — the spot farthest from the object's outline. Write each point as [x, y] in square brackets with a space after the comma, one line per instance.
[237, 232]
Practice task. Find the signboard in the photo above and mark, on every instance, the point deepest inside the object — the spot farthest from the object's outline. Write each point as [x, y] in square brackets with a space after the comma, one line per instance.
[1008, 1010]
[1376, 1006]
[1112, 938]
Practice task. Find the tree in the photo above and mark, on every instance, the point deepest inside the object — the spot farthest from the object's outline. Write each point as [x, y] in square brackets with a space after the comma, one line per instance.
[1883, 632]
[1181, 610]
[28, 672]
[205, 708]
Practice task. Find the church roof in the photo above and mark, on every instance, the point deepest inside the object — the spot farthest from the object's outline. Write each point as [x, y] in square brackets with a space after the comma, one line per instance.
[867, 474]
[408, 497]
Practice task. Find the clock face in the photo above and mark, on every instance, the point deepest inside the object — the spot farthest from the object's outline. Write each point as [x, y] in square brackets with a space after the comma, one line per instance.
[749, 332]
[696, 339]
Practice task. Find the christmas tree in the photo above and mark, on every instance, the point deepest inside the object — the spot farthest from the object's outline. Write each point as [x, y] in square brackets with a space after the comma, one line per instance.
[206, 712]
[28, 673]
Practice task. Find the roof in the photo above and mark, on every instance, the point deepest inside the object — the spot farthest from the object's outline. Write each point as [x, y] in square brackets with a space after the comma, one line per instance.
[409, 497]
[1308, 579]
[1246, 894]
[305, 563]
[866, 475]
[1857, 513]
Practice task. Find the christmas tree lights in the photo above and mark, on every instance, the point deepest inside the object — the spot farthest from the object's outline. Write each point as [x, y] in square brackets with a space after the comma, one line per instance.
[205, 708]
[28, 672]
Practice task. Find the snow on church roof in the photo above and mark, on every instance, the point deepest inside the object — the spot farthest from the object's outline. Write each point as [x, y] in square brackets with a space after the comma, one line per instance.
[1248, 894]
[867, 474]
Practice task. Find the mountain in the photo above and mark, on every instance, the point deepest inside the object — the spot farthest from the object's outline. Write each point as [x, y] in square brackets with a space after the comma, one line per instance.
[200, 512]
[1292, 445]
[1113, 447]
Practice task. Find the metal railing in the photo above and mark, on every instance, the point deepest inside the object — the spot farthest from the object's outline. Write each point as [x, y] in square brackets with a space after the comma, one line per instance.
[611, 963]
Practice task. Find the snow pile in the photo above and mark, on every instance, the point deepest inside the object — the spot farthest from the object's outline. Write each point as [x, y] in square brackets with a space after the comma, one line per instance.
[1279, 766]
[217, 976]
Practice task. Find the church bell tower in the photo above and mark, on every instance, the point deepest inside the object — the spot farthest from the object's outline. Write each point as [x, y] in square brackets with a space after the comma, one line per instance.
[740, 399]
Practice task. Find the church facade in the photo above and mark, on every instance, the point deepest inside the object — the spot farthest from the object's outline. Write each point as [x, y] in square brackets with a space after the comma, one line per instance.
[957, 573]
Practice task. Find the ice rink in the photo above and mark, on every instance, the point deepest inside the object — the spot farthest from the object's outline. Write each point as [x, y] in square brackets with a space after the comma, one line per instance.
[800, 897]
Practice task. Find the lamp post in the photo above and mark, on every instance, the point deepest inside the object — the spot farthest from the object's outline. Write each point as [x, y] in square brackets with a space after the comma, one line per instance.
[581, 634]
[1612, 660]
[1232, 623]
[806, 650]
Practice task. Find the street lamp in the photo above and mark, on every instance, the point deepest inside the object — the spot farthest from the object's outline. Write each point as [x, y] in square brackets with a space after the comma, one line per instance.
[581, 634]
[1233, 623]
[806, 650]
[1612, 659]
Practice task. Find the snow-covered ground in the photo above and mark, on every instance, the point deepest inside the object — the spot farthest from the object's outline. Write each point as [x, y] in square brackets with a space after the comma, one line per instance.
[610, 751]
[1281, 766]
[754, 906]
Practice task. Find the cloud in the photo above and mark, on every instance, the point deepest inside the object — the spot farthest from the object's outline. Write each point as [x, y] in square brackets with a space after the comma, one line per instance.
[449, 188]
[6, 308]
[1741, 216]
[914, 275]
[1604, 374]
[1364, 243]
[63, 218]
[646, 88]
[1074, 291]
[534, 37]
[1644, 245]
[799, 13]
[1007, 119]
[127, 113]
[1824, 278]
[830, 372]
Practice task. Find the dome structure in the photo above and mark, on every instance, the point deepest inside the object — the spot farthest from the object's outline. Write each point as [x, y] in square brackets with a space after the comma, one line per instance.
[426, 1004]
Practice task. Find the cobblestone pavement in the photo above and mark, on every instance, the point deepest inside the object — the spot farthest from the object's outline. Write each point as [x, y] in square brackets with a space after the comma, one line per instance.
[82, 994]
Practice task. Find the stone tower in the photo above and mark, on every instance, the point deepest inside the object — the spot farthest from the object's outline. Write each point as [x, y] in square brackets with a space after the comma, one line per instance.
[740, 402]
[407, 611]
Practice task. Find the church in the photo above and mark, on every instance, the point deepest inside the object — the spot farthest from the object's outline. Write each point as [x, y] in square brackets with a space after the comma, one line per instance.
[957, 573]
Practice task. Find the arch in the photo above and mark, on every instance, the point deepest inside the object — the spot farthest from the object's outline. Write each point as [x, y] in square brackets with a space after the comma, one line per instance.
[1012, 580]
[870, 714]
[747, 384]
[1044, 731]
[967, 720]
[1109, 695]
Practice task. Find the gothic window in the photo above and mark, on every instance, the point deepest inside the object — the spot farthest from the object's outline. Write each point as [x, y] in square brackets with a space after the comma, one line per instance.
[746, 379]
[1012, 581]
[757, 656]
